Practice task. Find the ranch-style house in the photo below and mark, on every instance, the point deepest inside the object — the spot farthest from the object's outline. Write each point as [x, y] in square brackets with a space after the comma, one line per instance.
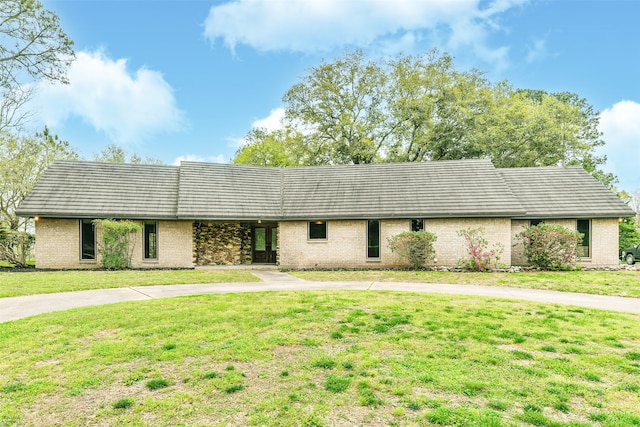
[312, 217]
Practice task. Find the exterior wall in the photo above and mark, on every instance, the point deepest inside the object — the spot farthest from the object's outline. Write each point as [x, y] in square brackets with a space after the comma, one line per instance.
[604, 241]
[346, 243]
[174, 247]
[58, 245]
[221, 243]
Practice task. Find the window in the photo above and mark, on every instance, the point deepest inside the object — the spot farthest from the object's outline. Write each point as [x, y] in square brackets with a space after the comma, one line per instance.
[87, 240]
[535, 222]
[318, 230]
[584, 226]
[417, 225]
[150, 240]
[373, 239]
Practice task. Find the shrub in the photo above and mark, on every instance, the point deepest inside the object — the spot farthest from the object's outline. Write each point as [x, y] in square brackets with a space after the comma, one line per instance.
[123, 403]
[481, 258]
[116, 245]
[415, 247]
[550, 246]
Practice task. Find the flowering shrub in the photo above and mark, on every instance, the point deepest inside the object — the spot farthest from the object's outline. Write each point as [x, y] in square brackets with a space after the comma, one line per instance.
[416, 247]
[480, 258]
[550, 246]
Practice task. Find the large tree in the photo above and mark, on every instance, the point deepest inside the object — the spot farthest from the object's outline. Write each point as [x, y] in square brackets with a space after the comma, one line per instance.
[33, 46]
[23, 160]
[417, 108]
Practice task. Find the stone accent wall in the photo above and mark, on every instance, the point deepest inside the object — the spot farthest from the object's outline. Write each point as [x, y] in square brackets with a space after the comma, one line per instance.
[346, 244]
[221, 243]
[604, 241]
[58, 245]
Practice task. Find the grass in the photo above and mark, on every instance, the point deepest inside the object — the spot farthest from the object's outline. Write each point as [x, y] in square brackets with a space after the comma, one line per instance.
[620, 283]
[270, 359]
[45, 282]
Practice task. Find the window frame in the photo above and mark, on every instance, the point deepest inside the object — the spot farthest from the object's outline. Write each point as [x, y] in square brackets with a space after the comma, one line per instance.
[94, 239]
[311, 224]
[369, 246]
[587, 237]
[146, 234]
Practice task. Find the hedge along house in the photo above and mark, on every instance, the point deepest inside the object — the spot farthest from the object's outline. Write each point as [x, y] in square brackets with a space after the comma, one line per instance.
[312, 217]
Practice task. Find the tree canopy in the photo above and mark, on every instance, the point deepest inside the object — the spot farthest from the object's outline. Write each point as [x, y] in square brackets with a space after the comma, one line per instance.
[113, 153]
[418, 108]
[33, 46]
[23, 160]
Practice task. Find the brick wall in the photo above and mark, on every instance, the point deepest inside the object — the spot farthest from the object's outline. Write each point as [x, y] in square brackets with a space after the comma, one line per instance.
[604, 241]
[58, 245]
[346, 245]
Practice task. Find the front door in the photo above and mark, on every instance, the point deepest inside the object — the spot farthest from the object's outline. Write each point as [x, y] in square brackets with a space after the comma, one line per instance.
[265, 244]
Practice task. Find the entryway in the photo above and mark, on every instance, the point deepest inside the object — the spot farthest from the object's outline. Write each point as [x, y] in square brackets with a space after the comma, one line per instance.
[264, 244]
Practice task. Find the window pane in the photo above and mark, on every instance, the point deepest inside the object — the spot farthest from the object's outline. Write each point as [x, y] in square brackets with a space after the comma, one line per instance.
[417, 225]
[535, 222]
[318, 230]
[260, 242]
[274, 239]
[87, 239]
[373, 239]
[150, 240]
[584, 227]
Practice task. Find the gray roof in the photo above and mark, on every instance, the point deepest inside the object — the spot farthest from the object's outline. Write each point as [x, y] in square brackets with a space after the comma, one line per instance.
[77, 189]
[563, 192]
[205, 191]
[222, 191]
[462, 188]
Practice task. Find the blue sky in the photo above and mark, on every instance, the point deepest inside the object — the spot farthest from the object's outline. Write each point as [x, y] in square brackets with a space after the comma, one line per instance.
[187, 79]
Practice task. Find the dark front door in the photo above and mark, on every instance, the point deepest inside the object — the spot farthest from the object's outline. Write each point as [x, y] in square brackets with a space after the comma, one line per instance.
[265, 243]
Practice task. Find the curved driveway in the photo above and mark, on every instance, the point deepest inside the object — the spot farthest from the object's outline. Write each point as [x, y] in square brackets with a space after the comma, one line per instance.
[20, 307]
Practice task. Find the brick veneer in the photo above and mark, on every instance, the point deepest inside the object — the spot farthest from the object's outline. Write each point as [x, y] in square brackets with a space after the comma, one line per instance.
[58, 245]
[604, 241]
[346, 245]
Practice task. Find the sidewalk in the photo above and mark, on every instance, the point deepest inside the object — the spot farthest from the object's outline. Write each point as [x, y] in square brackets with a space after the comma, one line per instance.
[20, 307]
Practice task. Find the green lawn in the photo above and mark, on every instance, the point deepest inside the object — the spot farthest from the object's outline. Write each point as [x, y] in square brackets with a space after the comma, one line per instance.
[621, 283]
[45, 282]
[322, 359]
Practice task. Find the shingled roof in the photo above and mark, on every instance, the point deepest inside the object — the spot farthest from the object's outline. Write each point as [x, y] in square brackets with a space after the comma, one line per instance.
[563, 192]
[205, 191]
[78, 189]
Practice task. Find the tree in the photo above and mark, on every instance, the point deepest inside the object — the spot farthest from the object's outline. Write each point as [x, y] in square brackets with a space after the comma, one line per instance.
[417, 108]
[23, 160]
[263, 148]
[32, 47]
[113, 153]
[628, 234]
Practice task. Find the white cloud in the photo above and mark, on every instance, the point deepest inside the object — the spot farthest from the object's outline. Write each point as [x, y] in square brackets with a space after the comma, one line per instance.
[537, 51]
[272, 122]
[195, 158]
[127, 107]
[319, 26]
[621, 131]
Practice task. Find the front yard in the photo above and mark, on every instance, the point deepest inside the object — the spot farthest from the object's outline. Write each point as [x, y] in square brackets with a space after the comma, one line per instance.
[322, 359]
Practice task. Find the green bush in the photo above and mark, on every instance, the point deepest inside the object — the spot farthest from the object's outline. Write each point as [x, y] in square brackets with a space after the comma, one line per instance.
[116, 245]
[415, 247]
[550, 246]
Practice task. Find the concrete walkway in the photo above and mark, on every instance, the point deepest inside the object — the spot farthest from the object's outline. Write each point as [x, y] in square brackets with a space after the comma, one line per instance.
[20, 307]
